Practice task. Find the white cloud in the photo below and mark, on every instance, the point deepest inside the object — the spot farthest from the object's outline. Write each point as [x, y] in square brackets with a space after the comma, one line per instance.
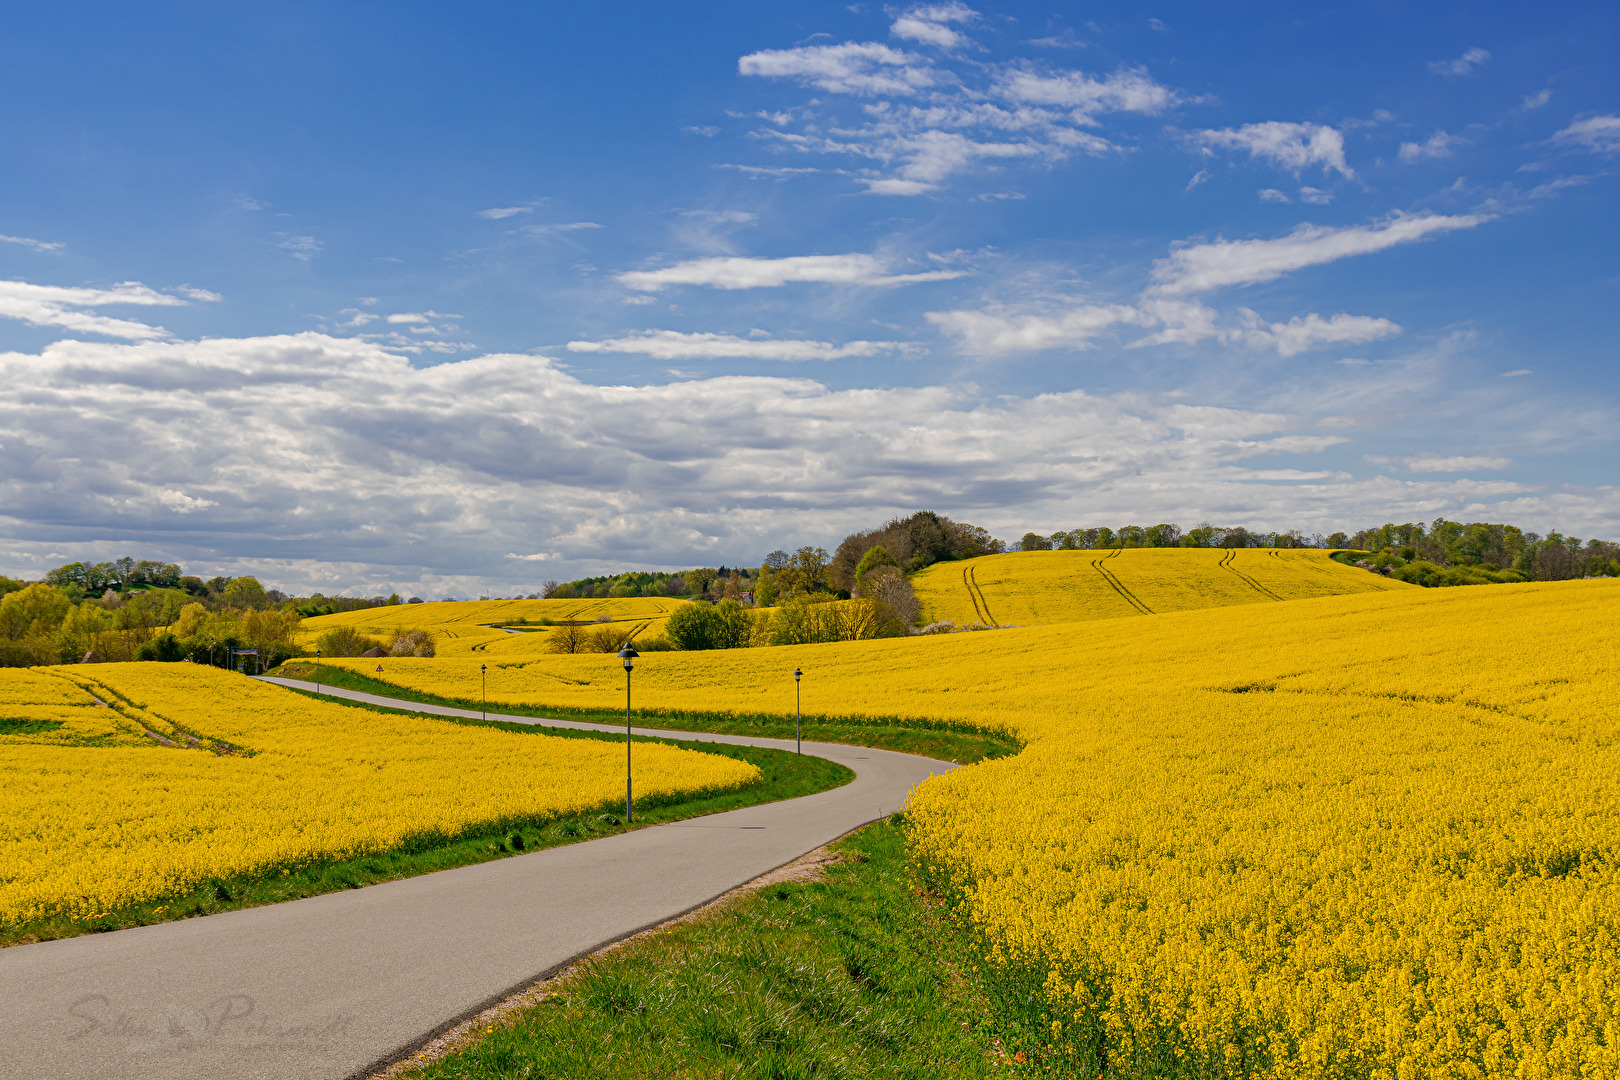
[1291, 147]
[563, 227]
[998, 331]
[1537, 99]
[708, 131]
[35, 245]
[1436, 463]
[1315, 196]
[418, 318]
[1600, 134]
[497, 213]
[1273, 195]
[300, 247]
[926, 24]
[1203, 267]
[1462, 65]
[1308, 332]
[346, 463]
[1438, 145]
[1515, 373]
[736, 272]
[669, 345]
[768, 172]
[539, 556]
[1130, 90]
[67, 307]
[864, 68]
[921, 122]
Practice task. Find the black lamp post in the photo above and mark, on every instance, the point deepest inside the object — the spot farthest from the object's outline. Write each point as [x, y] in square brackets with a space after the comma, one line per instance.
[627, 654]
[798, 712]
[483, 683]
[317, 671]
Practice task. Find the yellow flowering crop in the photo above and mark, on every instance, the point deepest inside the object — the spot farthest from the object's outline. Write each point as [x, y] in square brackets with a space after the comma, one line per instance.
[251, 779]
[467, 627]
[1027, 587]
[1370, 835]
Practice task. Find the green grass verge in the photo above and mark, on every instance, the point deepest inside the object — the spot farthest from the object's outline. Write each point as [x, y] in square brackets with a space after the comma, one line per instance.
[943, 740]
[786, 776]
[862, 974]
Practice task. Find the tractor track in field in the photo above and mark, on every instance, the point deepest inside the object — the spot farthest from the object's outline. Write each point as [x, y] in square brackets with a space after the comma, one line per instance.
[1226, 564]
[971, 576]
[1117, 585]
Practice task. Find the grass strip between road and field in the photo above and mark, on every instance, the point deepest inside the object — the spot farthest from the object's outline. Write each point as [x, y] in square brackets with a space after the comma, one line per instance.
[944, 740]
[786, 776]
[864, 973]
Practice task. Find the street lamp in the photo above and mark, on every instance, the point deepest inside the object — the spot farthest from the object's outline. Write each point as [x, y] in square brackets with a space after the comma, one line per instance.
[627, 654]
[317, 671]
[798, 712]
[483, 682]
[210, 652]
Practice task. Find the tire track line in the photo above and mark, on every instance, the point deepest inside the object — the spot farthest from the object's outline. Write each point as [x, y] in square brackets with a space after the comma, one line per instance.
[1227, 563]
[968, 585]
[1117, 585]
[973, 575]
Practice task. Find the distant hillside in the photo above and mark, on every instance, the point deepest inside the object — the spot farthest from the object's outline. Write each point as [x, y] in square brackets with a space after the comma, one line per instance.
[1029, 587]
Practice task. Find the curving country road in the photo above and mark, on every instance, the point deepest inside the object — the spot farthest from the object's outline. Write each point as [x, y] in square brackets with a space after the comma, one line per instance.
[337, 985]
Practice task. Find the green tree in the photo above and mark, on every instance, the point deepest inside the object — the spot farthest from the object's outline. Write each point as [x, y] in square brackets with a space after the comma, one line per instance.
[246, 592]
[874, 558]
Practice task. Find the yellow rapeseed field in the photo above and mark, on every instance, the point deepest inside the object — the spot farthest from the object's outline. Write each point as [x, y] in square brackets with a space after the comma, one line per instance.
[1372, 835]
[470, 627]
[1023, 588]
[97, 814]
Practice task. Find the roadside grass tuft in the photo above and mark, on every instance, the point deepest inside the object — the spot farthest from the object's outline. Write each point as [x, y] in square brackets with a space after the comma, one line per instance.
[862, 974]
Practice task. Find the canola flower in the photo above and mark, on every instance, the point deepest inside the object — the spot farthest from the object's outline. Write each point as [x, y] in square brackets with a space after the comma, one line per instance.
[254, 780]
[1028, 587]
[472, 627]
[1371, 835]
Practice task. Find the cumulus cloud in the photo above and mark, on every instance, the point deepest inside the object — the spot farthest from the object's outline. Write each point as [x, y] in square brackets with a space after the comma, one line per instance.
[1438, 145]
[69, 307]
[1462, 65]
[1600, 134]
[673, 345]
[1130, 90]
[997, 331]
[736, 272]
[929, 24]
[328, 462]
[1204, 267]
[1291, 147]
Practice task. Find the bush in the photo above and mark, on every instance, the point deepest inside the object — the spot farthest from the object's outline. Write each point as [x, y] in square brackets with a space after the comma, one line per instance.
[567, 638]
[412, 643]
[606, 639]
[165, 648]
[698, 626]
[345, 641]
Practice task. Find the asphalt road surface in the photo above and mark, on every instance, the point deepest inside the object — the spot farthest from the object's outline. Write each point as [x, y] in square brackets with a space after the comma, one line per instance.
[339, 985]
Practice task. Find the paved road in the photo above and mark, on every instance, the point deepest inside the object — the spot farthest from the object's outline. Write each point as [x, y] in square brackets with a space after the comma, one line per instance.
[335, 985]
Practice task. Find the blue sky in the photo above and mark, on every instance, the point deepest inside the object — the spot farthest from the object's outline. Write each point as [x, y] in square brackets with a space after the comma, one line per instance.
[405, 295]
